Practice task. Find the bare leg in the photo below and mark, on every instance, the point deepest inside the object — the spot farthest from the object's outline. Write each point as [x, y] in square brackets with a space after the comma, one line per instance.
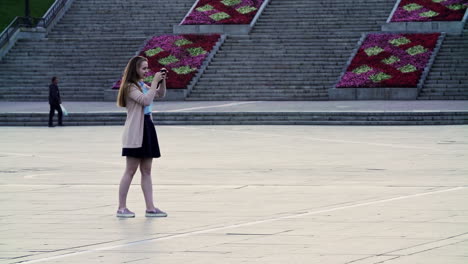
[130, 169]
[147, 183]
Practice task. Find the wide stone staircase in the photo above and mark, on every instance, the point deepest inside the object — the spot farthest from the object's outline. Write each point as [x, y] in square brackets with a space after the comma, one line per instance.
[448, 77]
[88, 49]
[296, 51]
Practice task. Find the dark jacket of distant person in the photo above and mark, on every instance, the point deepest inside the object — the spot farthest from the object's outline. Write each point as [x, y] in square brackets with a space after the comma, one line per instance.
[54, 95]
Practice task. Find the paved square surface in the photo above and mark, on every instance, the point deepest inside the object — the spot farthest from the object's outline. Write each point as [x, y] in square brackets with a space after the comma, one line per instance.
[239, 194]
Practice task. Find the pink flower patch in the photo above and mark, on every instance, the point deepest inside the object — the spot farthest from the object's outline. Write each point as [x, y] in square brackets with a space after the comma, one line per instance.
[389, 60]
[182, 55]
[212, 12]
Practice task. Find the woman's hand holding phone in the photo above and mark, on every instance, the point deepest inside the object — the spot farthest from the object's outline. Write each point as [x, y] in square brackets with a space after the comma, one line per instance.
[161, 75]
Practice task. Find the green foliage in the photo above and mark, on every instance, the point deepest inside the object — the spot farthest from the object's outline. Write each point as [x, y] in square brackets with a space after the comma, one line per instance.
[205, 8]
[231, 2]
[246, 9]
[219, 16]
[373, 51]
[153, 52]
[400, 41]
[182, 42]
[455, 7]
[390, 60]
[429, 14]
[149, 79]
[196, 51]
[379, 77]
[416, 50]
[184, 70]
[362, 69]
[412, 7]
[407, 68]
[168, 60]
[9, 9]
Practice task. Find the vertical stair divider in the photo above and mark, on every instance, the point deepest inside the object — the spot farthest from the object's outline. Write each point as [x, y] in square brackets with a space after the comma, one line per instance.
[395, 7]
[205, 64]
[351, 57]
[259, 13]
[429, 64]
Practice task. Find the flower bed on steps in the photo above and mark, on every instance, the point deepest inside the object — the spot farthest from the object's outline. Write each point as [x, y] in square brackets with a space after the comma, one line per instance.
[210, 12]
[182, 55]
[389, 60]
[430, 10]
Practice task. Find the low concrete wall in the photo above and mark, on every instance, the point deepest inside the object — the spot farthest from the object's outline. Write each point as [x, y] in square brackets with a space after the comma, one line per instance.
[423, 27]
[373, 93]
[171, 95]
[211, 29]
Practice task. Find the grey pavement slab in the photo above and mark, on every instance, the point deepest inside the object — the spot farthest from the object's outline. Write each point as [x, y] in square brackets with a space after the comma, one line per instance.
[239, 194]
[249, 106]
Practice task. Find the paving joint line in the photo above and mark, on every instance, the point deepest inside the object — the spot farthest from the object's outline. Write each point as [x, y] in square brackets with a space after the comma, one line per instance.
[204, 231]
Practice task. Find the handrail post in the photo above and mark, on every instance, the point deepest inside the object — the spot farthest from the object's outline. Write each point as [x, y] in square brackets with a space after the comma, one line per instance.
[27, 13]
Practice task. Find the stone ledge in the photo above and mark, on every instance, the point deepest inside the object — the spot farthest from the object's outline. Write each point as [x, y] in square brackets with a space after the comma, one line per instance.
[171, 95]
[250, 118]
[373, 93]
[455, 27]
[211, 29]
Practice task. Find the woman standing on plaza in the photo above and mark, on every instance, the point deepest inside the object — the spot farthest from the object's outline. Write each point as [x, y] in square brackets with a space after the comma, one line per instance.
[140, 142]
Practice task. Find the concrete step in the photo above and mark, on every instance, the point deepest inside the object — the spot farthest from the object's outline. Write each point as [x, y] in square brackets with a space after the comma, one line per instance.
[447, 82]
[248, 118]
[256, 98]
[269, 76]
[442, 91]
[263, 96]
[448, 77]
[309, 41]
[275, 82]
[262, 88]
[443, 98]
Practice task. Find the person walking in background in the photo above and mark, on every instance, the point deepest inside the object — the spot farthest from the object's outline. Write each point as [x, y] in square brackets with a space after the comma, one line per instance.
[140, 142]
[54, 102]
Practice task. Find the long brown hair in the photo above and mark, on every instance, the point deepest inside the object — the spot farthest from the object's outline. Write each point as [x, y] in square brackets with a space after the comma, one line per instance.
[130, 77]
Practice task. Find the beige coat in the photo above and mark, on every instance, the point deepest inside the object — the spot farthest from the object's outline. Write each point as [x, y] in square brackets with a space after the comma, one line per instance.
[136, 100]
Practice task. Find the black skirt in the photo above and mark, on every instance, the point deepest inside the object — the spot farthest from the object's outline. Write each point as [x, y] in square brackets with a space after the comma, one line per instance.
[150, 146]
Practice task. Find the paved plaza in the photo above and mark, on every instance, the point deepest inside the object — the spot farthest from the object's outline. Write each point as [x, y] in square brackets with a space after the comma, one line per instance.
[249, 106]
[239, 194]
